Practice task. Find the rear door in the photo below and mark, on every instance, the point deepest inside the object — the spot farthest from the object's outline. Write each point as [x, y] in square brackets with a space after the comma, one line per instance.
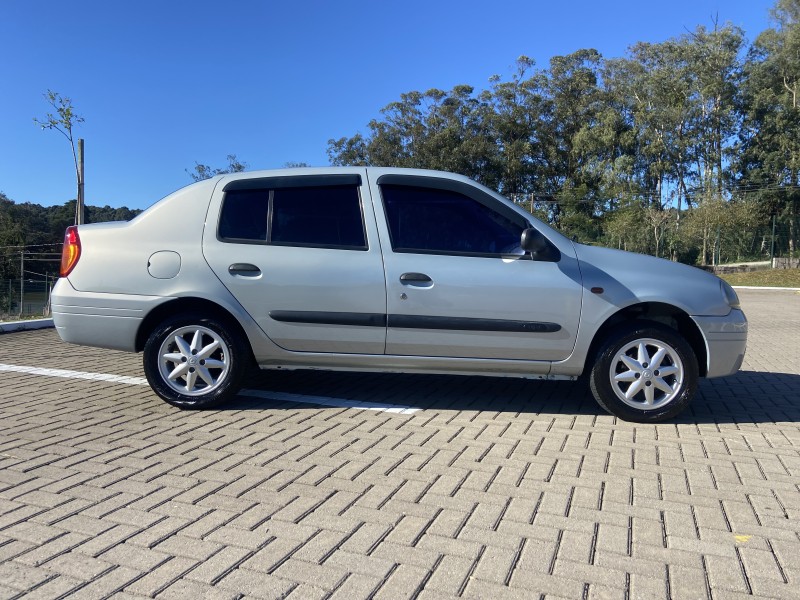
[301, 254]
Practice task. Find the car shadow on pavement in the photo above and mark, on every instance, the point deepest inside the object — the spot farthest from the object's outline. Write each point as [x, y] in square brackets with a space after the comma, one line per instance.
[423, 391]
[747, 397]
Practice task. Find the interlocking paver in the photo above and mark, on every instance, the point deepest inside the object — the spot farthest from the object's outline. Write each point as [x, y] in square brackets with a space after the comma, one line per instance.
[94, 546]
[274, 553]
[183, 589]
[180, 545]
[135, 557]
[496, 488]
[404, 582]
[214, 568]
[161, 577]
[78, 566]
[41, 553]
[22, 577]
[323, 576]
[357, 587]
[57, 587]
[257, 584]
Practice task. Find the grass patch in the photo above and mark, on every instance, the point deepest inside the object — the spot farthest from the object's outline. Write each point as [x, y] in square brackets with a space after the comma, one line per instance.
[766, 278]
[15, 318]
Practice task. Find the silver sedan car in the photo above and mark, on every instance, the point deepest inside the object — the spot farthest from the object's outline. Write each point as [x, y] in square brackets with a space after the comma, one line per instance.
[375, 269]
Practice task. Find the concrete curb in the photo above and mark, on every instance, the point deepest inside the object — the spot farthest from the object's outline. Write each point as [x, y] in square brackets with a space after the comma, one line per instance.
[26, 325]
[764, 287]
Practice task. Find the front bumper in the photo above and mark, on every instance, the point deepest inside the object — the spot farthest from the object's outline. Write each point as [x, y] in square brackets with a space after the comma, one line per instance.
[99, 319]
[726, 341]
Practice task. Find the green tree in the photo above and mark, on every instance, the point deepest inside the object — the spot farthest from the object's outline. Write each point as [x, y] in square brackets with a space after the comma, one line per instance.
[713, 55]
[201, 171]
[656, 84]
[767, 161]
[435, 129]
[11, 228]
[627, 228]
[680, 97]
[574, 102]
[64, 120]
[516, 108]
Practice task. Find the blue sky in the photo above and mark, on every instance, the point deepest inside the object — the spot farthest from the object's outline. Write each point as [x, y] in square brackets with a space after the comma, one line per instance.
[164, 84]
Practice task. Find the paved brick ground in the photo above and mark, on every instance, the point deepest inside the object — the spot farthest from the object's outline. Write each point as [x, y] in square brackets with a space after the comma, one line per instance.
[497, 488]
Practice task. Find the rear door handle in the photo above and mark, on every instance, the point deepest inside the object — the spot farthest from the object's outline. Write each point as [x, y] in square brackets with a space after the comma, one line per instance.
[416, 279]
[244, 269]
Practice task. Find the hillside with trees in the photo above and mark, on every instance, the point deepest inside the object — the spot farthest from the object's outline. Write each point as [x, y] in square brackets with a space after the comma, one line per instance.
[38, 233]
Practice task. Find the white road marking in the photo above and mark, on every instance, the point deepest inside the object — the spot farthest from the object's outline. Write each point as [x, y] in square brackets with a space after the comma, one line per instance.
[277, 396]
[74, 374]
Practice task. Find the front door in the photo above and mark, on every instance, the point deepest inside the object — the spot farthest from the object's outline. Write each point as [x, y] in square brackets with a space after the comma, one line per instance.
[458, 285]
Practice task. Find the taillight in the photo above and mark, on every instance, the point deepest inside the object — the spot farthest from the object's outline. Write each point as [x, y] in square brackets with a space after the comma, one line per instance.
[71, 251]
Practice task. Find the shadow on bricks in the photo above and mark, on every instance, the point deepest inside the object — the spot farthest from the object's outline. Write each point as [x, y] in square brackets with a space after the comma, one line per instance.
[747, 397]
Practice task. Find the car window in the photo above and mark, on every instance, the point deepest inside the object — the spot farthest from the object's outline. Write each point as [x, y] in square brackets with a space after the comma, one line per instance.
[313, 216]
[441, 221]
[244, 215]
[318, 216]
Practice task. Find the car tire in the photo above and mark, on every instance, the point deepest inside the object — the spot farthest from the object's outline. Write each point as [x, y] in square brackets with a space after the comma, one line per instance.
[645, 373]
[194, 362]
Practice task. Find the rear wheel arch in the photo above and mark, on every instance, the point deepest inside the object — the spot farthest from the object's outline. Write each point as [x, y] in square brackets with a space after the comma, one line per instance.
[655, 312]
[180, 306]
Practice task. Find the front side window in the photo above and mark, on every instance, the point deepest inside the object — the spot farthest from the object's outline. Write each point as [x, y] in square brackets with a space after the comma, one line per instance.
[312, 216]
[438, 221]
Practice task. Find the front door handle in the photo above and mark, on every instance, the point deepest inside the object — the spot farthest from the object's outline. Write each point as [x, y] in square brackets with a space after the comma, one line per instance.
[416, 279]
[244, 269]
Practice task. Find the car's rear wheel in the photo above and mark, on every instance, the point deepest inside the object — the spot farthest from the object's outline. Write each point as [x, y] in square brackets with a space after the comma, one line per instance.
[194, 362]
[645, 373]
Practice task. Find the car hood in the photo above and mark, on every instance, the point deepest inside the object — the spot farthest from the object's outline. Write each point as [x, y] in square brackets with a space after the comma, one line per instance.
[628, 278]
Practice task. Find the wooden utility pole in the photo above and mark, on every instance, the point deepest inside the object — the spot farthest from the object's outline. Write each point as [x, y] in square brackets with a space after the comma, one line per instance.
[772, 243]
[21, 281]
[79, 213]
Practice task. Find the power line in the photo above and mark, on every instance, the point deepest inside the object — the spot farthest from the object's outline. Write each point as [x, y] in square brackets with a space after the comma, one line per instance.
[30, 246]
[46, 275]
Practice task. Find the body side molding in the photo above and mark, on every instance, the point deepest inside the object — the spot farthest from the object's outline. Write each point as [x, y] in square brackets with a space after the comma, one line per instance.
[412, 321]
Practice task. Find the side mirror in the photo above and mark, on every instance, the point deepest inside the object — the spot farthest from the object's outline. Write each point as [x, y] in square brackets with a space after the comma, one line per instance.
[532, 241]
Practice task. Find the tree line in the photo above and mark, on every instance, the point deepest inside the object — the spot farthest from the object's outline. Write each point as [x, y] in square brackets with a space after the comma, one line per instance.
[686, 148]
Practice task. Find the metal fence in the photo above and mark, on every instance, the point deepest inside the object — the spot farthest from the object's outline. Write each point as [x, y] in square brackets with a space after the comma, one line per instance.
[25, 298]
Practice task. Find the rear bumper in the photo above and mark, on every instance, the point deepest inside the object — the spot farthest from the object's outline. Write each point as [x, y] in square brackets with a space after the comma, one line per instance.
[97, 319]
[726, 341]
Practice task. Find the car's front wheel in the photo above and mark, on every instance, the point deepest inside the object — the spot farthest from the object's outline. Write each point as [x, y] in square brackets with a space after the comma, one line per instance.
[645, 373]
[194, 362]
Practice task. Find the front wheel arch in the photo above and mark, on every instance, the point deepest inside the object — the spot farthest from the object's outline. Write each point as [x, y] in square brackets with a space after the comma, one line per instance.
[658, 312]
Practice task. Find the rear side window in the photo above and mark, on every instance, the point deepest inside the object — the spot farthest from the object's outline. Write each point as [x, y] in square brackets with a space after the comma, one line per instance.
[437, 221]
[244, 215]
[317, 216]
[311, 216]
